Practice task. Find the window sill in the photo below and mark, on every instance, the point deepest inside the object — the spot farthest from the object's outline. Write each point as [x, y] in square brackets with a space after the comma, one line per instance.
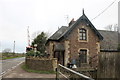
[82, 40]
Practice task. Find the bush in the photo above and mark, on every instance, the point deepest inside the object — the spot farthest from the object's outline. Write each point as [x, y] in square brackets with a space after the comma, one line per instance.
[36, 54]
[30, 53]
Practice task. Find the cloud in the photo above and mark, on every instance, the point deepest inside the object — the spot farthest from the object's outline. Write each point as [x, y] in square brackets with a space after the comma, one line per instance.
[47, 15]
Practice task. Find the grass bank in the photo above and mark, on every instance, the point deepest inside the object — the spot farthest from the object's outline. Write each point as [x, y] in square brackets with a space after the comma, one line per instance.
[10, 57]
[4, 56]
[24, 67]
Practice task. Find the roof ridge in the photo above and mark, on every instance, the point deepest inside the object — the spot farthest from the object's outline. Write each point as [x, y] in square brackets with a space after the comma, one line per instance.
[107, 30]
[77, 21]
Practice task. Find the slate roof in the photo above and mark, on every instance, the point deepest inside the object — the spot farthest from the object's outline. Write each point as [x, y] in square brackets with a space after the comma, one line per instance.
[64, 31]
[83, 18]
[110, 41]
[58, 33]
[59, 47]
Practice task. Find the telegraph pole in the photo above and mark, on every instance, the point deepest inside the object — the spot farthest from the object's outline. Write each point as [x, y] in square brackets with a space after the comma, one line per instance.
[28, 37]
[14, 47]
[0, 47]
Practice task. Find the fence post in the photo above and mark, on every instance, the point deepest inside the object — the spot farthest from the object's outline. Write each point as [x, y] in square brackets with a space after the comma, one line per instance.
[57, 73]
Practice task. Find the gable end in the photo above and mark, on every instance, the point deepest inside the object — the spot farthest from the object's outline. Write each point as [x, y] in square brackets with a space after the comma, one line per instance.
[83, 18]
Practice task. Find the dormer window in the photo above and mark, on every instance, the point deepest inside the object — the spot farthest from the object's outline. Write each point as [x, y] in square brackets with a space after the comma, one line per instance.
[82, 34]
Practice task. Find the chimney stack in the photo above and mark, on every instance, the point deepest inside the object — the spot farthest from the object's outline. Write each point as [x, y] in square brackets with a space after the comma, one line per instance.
[71, 22]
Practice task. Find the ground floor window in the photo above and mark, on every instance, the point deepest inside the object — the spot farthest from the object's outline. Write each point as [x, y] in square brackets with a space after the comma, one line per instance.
[83, 56]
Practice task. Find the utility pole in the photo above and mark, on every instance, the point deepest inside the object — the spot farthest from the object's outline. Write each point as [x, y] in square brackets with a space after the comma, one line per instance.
[0, 47]
[28, 37]
[14, 47]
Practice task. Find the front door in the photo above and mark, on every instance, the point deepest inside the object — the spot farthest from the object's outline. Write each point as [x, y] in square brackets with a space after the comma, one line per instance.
[60, 56]
[82, 56]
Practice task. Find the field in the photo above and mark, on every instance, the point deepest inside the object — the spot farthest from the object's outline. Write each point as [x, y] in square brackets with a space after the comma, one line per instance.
[11, 55]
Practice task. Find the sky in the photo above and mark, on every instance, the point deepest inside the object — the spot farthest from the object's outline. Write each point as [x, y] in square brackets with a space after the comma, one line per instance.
[47, 16]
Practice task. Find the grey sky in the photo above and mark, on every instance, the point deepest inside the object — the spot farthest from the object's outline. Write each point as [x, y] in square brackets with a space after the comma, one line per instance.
[47, 15]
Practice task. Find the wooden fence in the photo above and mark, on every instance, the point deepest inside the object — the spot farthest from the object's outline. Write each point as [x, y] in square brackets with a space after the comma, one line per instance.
[64, 73]
[109, 65]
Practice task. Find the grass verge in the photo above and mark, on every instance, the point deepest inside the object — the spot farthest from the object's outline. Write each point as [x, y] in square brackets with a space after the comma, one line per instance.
[10, 57]
[24, 67]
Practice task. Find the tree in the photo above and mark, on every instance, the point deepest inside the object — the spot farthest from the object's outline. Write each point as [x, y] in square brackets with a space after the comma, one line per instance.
[7, 50]
[112, 27]
[116, 28]
[109, 27]
[35, 34]
[40, 40]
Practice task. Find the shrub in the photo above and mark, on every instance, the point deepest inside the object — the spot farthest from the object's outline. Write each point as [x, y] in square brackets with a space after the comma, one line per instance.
[36, 54]
[30, 53]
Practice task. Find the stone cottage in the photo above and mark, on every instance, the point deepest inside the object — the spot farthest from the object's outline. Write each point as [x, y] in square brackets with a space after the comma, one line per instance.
[78, 43]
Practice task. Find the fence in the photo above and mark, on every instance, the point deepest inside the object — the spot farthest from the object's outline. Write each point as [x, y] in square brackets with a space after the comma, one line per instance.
[109, 65]
[69, 74]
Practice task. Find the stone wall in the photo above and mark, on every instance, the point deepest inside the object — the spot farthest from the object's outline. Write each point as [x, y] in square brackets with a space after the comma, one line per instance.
[73, 45]
[41, 64]
[67, 52]
[91, 45]
[109, 65]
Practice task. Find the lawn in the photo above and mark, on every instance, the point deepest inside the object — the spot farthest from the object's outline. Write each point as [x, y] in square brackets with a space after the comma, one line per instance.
[4, 56]
[11, 57]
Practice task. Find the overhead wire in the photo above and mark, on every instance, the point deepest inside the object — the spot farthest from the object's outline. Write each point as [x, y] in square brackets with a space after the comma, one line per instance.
[104, 10]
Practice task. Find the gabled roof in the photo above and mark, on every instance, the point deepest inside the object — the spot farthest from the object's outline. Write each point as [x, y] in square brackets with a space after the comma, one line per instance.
[58, 33]
[83, 18]
[110, 41]
[63, 32]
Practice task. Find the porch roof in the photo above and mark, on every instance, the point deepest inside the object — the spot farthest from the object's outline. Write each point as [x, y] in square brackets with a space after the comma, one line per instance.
[59, 47]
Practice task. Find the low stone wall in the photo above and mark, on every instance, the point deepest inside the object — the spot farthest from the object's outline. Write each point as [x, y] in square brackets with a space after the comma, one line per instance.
[41, 64]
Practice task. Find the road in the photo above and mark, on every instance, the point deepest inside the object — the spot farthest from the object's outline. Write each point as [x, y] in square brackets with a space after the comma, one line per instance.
[10, 64]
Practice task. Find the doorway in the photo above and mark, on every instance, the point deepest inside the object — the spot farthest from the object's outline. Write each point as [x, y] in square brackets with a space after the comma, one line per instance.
[60, 56]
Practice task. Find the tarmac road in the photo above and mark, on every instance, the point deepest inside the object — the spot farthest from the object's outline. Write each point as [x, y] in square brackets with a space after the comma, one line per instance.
[10, 64]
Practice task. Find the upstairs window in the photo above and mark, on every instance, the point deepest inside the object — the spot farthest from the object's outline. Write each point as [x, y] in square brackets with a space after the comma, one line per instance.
[82, 34]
